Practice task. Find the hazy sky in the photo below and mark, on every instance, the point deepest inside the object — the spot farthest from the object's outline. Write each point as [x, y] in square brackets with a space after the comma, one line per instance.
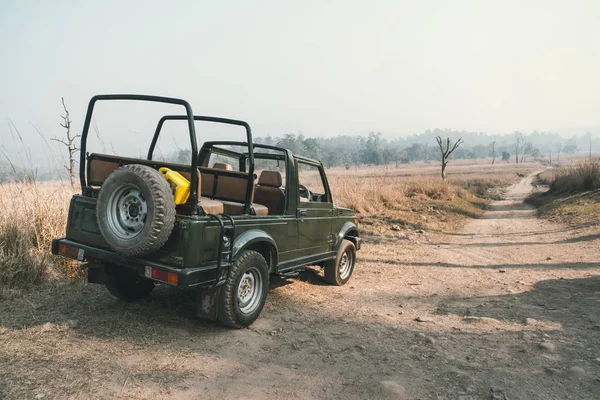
[320, 67]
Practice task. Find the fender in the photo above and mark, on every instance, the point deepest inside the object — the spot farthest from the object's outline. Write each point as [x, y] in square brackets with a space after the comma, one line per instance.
[348, 226]
[254, 236]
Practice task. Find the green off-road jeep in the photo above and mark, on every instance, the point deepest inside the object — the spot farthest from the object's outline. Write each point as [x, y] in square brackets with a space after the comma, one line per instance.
[248, 211]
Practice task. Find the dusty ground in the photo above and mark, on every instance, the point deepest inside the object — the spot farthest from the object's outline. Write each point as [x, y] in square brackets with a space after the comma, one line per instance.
[509, 304]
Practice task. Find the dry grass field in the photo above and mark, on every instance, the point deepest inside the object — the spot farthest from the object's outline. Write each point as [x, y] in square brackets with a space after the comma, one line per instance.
[413, 196]
[569, 194]
[386, 198]
[31, 215]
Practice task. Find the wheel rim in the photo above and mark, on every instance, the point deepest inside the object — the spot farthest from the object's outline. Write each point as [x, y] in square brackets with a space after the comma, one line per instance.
[126, 211]
[249, 290]
[345, 266]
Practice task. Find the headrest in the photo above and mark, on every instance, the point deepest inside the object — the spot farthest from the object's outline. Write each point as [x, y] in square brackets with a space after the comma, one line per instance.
[270, 178]
[220, 165]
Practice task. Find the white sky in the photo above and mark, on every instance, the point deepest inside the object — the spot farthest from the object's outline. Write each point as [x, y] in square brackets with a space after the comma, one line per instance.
[320, 67]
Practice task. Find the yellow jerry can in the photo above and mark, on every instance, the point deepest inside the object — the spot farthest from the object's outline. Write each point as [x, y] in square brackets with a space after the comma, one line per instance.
[180, 185]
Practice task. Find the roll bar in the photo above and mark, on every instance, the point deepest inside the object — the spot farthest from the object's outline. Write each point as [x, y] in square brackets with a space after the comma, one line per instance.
[190, 118]
[137, 97]
[194, 166]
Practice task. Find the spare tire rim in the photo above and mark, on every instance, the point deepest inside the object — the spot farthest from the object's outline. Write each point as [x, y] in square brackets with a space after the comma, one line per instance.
[126, 211]
[249, 290]
[345, 265]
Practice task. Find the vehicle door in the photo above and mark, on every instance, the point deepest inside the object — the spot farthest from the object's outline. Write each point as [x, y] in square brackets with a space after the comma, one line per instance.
[315, 210]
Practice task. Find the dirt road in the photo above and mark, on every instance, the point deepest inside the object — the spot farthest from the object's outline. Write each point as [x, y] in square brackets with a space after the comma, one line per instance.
[509, 309]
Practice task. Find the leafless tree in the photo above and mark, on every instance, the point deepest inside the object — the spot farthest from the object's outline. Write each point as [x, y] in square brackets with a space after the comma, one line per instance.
[526, 149]
[558, 149]
[493, 152]
[69, 143]
[520, 138]
[447, 149]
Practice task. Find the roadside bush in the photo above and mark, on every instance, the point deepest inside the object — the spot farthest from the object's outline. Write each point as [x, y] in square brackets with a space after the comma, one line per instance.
[31, 215]
[578, 178]
[19, 265]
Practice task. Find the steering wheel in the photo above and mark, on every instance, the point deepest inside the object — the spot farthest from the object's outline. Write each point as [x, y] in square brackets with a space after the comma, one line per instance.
[304, 192]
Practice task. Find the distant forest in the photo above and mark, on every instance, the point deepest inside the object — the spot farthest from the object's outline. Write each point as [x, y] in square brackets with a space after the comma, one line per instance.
[374, 149]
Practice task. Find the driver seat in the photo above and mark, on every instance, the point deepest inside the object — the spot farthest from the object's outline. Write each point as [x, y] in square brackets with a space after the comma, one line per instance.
[268, 192]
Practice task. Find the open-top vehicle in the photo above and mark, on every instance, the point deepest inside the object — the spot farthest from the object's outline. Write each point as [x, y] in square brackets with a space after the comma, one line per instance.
[221, 224]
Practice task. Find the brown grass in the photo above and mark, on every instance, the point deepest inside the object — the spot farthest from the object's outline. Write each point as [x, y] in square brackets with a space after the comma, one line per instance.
[386, 199]
[577, 178]
[31, 215]
[571, 194]
[413, 197]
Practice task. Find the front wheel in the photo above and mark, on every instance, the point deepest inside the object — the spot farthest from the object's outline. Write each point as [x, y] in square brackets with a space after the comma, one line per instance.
[339, 270]
[243, 295]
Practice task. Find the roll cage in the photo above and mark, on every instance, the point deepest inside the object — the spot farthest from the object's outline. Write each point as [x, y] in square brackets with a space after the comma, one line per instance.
[190, 118]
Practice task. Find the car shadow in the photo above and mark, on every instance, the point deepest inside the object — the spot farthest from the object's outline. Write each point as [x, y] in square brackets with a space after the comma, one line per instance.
[572, 303]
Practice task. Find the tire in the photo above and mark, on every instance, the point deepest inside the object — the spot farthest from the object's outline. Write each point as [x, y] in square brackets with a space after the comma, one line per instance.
[243, 295]
[339, 271]
[127, 286]
[135, 210]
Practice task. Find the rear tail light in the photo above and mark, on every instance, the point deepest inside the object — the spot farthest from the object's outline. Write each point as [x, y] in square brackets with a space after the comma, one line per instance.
[71, 252]
[163, 276]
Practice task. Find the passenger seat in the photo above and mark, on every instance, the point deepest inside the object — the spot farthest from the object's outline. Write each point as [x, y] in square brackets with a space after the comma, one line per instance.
[235, 190]
[209, 206]
[268, 192]
[221, 165]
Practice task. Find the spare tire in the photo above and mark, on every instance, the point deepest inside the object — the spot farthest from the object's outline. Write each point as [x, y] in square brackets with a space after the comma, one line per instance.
[135, 210]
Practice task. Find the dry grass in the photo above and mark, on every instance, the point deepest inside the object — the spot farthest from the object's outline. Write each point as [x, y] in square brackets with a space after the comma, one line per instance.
[31, 215]
[577, 178]
[387, 199]
[413, 197]
[573, 193]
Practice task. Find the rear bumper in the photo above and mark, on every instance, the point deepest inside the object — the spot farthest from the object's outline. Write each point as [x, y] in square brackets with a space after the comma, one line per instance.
[187, 277]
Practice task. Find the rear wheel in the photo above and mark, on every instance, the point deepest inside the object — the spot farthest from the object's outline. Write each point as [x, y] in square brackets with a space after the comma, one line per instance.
[339, 271]
[127, 286]
[243, 295]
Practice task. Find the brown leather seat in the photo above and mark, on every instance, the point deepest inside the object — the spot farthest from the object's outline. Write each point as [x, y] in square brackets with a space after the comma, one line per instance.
[221, 165]
[211, 206]
[235, 208]
[228, 186]
[268, 192]
[259, 209]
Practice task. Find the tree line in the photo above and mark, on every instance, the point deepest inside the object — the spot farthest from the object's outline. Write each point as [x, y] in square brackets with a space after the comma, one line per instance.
[374, 149]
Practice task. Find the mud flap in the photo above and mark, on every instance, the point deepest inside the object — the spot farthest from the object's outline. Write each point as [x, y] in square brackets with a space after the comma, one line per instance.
[206, 303]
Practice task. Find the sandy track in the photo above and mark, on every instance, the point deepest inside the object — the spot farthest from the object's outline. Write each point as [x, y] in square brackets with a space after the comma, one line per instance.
[510, 306]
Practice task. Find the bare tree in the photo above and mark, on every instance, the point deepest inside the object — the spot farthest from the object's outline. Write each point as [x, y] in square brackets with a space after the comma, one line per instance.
[446, 151]
[589, 136]
[493, 152]
[69, 143]
[520, 138]
[526, 149]
[558, 149]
